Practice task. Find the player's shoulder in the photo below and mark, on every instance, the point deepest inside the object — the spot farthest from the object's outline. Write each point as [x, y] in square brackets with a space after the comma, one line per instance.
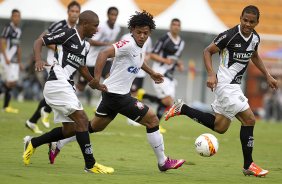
[55, 26]
[256, 34]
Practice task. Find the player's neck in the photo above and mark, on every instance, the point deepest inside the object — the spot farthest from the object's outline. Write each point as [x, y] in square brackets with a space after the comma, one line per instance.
[110, 25]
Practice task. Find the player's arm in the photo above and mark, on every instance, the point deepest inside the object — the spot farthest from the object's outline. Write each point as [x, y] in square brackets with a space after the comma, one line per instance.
[160, 59]
[37, 49]
[2, 48]
[157, 77]
[208, 52]
[259, 64]
[52, 47]
[19, 57]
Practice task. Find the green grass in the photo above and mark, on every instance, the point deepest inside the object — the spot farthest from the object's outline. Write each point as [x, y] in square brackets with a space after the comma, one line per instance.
[126, 149]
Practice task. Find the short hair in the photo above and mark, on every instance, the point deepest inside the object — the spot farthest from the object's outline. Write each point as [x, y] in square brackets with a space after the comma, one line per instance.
[112, 8]
[15, 11]
[141, 19]
[251, 9]
[73, 3]
[175, 20]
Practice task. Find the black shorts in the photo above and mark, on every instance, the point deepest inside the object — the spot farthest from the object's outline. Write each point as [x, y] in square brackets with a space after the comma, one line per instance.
[112, 104]
[105, 72]
[137, 84]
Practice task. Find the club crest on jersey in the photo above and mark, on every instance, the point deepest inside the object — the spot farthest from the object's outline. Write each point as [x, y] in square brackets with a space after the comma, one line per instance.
[133, 69]
[139, 105]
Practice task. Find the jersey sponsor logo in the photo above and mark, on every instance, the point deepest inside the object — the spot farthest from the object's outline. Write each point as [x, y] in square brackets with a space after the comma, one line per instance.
[74, 46]
[238, 55]
[219, 39]
[121, 43]
[74, 59]
[56, 36]
[133, 69]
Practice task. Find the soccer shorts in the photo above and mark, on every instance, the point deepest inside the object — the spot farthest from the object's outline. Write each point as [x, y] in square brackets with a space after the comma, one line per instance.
[11, 72]
[229, 100]
[112, 104]
[167, 88]
[60, 96]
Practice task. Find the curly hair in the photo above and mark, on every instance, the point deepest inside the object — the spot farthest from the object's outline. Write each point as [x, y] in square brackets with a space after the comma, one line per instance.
[141, 19]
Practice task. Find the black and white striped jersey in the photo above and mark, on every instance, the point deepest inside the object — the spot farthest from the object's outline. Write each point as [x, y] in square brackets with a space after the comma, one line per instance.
[57, 26]
[12, 35]
[235, 53]
[168, 47]
[70, 53]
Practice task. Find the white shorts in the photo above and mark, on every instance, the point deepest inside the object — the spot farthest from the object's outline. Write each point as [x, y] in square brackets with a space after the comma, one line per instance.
[11, 72]
[229, 100]
[167, 88]
[61, 97]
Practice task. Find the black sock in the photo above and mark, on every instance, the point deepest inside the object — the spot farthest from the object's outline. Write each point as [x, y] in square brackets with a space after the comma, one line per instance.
[151, 130]
[47, 108]
[90, 130]
[247, 141]
[35, 117]
[161, 110]
[86, 148]
[7, 97]
[151, 98]
[54, 135]
[203, 118]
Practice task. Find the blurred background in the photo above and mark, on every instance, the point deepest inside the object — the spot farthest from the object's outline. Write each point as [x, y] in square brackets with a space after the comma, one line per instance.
[201, 21]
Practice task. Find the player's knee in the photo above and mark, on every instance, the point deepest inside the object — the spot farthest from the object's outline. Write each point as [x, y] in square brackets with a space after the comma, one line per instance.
[220, 131]
[250, 122]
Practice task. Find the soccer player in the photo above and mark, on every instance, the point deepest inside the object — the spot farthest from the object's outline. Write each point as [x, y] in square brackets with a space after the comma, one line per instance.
[129, 58]
[137, 83]
[237, 46]
[11, 57]
[43, 110]
[59, 91]
[106, 35]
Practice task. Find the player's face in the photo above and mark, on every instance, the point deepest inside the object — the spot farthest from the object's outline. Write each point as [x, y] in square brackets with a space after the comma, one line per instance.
[112, 17]
[141, 34]
[16, 18]
[73, 14]
[175, 27]
[248, 23]
[91, 27]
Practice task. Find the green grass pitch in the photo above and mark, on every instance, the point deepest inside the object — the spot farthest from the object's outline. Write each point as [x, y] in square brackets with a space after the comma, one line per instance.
[126, 149]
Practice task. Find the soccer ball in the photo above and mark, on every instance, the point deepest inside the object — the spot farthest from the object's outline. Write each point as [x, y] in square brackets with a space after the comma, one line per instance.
[206, 145]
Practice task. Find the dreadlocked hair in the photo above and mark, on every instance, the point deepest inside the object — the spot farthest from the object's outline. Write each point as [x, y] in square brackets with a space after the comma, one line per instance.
[141, 19]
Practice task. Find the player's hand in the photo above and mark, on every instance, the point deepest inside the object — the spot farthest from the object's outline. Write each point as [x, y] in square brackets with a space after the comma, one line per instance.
[39, 65]
[157, 77]
[7, 61]
[95, 84]
[212, 81]
[272, 82]
[168, 61]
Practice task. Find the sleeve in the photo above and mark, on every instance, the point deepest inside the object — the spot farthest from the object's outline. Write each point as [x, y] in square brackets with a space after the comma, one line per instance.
[221, 40]
[58, 37]
[159, 45]
[122, 47]
[5, 32]
[55, 27]
[256, 47]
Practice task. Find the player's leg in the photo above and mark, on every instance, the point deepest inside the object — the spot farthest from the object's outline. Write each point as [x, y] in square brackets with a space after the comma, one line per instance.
[32, 122]
[155, 139]
[247, 119]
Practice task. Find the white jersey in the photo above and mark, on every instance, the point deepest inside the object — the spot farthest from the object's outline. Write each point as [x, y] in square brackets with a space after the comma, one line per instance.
[128, 60]
[148, 46]
[104, 34]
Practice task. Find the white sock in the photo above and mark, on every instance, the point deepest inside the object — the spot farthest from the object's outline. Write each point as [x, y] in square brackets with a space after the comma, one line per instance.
[157, 143]
[61, 143]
